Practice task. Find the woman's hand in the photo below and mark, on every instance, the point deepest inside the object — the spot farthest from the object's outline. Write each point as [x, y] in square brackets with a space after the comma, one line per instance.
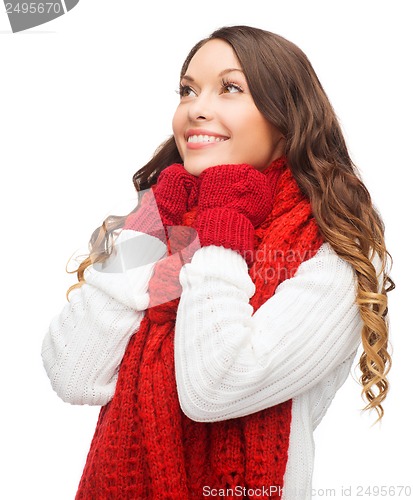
[175, 193]
[233, 201]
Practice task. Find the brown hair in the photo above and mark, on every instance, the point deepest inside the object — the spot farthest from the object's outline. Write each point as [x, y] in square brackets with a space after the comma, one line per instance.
[287, 92]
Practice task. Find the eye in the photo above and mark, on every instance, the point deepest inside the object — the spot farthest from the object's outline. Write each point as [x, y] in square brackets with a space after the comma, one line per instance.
[231, 87]
[185, 91]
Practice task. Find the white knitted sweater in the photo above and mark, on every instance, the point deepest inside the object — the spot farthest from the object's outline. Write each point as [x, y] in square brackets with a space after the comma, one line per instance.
[300, 344]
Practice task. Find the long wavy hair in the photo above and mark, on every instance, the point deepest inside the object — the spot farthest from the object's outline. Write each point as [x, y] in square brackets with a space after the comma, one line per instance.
[286, 90]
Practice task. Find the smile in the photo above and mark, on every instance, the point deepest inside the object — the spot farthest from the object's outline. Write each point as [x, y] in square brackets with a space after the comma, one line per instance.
[205, 138]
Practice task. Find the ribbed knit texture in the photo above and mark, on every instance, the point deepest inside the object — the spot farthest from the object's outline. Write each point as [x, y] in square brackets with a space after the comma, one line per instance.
[144, 446]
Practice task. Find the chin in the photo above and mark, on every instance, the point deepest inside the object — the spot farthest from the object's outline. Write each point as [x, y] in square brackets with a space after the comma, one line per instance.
[197, 166]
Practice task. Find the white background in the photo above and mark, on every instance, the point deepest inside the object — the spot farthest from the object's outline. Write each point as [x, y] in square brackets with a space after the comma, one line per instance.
[84, 101]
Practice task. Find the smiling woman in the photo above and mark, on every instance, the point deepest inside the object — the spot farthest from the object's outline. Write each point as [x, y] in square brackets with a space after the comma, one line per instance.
[216, 356]
[216, 103]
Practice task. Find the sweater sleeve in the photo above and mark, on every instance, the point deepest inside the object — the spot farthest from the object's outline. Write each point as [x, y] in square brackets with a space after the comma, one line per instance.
[86, 341]
[231, 362]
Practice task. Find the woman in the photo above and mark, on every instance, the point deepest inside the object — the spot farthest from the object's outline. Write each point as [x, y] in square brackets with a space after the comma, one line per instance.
[216, 354]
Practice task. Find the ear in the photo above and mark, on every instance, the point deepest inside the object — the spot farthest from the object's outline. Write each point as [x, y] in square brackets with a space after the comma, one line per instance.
[279, 145]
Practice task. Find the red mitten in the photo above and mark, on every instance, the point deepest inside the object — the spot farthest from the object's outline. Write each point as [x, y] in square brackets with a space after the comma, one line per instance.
[175, 192]
[233, 200]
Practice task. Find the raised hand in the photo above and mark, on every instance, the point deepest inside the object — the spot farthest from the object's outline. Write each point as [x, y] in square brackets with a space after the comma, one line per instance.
[175, 193]
[233, 201]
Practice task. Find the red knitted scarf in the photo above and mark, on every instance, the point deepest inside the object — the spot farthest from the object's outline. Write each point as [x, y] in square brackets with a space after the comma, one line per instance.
[144, 446]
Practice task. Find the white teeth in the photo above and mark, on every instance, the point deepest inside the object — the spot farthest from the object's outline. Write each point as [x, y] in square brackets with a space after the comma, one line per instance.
[205, 138]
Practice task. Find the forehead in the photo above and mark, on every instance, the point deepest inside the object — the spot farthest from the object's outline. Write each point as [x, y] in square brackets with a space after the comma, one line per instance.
[213, 57]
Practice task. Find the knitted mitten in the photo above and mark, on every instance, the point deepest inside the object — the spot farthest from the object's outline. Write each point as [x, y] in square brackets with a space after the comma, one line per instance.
[175, 192]
[233, 200]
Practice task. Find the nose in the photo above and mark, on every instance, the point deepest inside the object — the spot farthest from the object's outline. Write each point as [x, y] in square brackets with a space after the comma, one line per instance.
[201, 108]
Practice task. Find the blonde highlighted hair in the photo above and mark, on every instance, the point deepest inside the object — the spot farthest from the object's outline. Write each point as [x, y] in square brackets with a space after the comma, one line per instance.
[288, 93]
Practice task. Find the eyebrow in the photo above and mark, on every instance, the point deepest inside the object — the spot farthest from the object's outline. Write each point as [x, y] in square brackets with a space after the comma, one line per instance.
[222, 73]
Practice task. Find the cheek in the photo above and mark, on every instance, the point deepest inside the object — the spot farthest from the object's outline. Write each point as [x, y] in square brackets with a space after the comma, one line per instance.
[248, 124]
[255, 138]
[262, 132]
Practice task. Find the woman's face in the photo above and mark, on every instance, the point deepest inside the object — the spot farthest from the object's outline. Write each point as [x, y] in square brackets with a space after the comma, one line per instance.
[216, 121]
